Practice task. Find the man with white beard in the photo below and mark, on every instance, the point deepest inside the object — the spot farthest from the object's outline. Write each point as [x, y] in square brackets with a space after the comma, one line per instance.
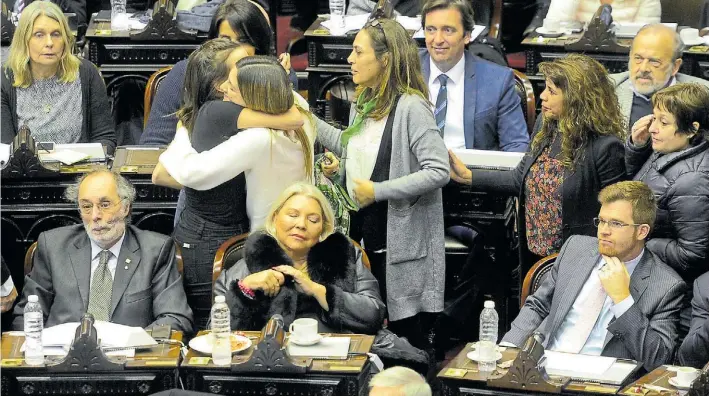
[655, 60]
[106, 267]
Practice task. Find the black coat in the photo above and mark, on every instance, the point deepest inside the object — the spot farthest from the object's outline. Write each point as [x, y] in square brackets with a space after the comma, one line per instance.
[352, 291]
[680, 182]
[601, 164]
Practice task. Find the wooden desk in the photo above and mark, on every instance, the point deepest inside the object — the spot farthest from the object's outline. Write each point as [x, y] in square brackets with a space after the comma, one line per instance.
[461, 377]
[657, 377]
[151, 370]
[326, 377]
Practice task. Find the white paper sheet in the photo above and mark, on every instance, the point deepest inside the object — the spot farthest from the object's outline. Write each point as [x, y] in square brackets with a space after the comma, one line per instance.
[73, 152]
[558, 361]
[332, 347]
[488, 159]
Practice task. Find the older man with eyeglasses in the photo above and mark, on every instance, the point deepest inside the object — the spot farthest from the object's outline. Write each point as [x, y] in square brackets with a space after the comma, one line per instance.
[106, 267]
[609, 295]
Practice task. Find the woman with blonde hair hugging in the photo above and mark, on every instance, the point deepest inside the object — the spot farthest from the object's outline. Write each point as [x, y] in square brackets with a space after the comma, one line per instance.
[298, 267]
[58, 96]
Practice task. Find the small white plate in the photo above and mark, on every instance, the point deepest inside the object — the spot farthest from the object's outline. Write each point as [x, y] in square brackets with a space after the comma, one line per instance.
[205, 343]
[546, 33]
[474, 355]
[309, 342]
[673, 382]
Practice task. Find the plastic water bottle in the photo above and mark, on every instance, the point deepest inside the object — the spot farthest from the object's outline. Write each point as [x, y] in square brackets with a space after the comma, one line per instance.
[119, 16]
[487, 347]
[337, 13]
[34, 323]
[221, 331]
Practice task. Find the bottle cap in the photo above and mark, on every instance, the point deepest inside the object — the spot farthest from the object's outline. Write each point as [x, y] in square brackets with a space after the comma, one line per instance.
[219, 299]
[489, 304]
[33, 298]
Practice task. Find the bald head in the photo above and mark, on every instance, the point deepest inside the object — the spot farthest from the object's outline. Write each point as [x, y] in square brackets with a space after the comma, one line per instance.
[655, 57]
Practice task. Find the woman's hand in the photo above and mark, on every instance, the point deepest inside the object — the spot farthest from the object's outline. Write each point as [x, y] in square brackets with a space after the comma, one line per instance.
[330, 164]
[363, 192]
[268, 281]
[7, 301]
[305, 285]
[459, 172]
[640, 132]
[284, 59]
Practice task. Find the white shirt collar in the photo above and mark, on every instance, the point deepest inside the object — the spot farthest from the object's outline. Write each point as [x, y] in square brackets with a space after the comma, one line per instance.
[629, 265]
[455, 74]
[115, 249]
[672, 82]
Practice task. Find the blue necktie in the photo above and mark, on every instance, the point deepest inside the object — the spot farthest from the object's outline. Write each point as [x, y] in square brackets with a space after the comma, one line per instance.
[441, 103]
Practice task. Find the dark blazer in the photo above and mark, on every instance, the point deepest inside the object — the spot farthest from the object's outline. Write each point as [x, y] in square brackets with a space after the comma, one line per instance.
[97, 125]
[646, 332]
[602, 164]
[78, 7]
[352, 291]
[493, 118]
[695, 348]
[149, 292]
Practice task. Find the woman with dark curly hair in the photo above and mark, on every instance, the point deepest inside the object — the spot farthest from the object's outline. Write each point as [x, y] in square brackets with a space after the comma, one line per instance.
[576, 151]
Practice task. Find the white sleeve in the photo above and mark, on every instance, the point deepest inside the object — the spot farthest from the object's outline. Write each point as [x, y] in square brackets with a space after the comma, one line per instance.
[7, 287]
[211, 168]
[563, 10]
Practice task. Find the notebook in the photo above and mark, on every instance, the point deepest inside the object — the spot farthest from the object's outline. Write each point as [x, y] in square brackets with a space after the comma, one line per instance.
[587, 368]
[328, 347]
[488, 159]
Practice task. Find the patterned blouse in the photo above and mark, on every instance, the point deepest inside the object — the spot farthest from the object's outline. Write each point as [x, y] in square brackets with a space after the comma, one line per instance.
[52, 110]
[542, 188]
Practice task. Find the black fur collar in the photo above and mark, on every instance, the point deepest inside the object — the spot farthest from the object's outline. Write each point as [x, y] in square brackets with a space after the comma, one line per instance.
[327, 260]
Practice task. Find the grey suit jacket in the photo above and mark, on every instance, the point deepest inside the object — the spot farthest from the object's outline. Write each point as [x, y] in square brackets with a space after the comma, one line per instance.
[149, 292]
[625, 91]
[695, 348]
[647, 332]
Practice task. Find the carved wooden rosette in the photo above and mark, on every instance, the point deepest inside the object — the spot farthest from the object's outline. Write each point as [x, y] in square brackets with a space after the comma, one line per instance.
[163, 25]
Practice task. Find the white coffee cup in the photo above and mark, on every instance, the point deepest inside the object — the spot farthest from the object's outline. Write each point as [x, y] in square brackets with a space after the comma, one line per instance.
[685, 375]
[689, 35]
[552, 25]
[304, 329]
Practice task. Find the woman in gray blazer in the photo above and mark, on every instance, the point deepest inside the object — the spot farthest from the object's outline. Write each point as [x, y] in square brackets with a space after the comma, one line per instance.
[394, 163]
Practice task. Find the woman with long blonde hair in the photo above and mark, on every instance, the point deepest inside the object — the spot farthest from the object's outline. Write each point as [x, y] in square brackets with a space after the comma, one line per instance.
[576, 150]
[230, 176]
[47, 88]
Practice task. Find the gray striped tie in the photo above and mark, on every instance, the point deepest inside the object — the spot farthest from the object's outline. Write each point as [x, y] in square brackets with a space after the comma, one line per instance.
[441, 103]
[101, 288]
[19, 6]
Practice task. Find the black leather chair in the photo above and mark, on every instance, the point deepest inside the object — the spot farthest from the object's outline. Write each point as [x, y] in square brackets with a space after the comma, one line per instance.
[535, 277]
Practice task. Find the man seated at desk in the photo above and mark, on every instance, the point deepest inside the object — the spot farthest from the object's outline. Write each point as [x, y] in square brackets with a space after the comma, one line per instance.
[609, 295]
[476, 103]
[655, 59]
[695, 348]
[114, 271]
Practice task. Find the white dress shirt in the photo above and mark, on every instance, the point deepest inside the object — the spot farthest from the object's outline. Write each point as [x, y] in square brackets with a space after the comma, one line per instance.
[271, 161]
[7, 287]
[595, 341]
[454, 131]
[112, 261]
[362, 151]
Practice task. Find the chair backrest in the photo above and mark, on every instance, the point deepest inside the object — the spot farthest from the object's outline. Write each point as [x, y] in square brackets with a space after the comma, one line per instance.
[488, 13]
[150, 89]
[29, 258]
[535, 277]
[528, 101]
[228, 254]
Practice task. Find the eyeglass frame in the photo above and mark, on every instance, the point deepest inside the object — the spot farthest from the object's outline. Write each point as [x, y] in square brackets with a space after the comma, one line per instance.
[376, 23]
[100, 209]
[613, 224]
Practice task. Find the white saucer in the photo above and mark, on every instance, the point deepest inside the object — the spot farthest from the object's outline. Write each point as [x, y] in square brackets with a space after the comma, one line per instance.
[311, 341]
[205, 342]
[541, 30]
[673, 382]
[474, 355]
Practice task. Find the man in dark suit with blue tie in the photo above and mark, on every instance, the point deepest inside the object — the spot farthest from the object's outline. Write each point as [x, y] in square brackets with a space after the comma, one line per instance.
[609, 295]
[106, 267]
[476, 104]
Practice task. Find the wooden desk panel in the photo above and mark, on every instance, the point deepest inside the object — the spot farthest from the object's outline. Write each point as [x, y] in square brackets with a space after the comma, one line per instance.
[151, 370]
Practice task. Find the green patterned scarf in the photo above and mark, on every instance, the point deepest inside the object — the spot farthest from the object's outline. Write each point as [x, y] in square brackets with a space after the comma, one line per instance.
[356, 126]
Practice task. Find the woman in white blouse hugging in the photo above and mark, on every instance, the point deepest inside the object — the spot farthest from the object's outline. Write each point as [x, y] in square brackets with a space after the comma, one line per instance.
[624, 11]
[215, 160]
[394, 165]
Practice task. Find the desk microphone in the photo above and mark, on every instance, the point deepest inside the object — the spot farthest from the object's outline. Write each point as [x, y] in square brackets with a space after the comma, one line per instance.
[274, 329]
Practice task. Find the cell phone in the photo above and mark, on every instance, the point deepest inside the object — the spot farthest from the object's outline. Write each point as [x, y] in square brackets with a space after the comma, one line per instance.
[161, 331]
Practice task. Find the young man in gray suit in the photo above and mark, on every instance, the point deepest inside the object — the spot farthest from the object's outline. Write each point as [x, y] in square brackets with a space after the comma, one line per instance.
[609, 295]
[695, 348]
[114, 271]
[655, 59]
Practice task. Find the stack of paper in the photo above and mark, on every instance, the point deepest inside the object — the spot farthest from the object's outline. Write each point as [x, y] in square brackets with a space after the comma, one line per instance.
[57, 339]
[69, 154]
[602, 369]
[328, 347]
[488, 159]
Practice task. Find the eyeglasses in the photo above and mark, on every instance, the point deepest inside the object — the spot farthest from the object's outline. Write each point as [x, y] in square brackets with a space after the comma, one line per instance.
[614, 224]
[103, 206]
[376, 23]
